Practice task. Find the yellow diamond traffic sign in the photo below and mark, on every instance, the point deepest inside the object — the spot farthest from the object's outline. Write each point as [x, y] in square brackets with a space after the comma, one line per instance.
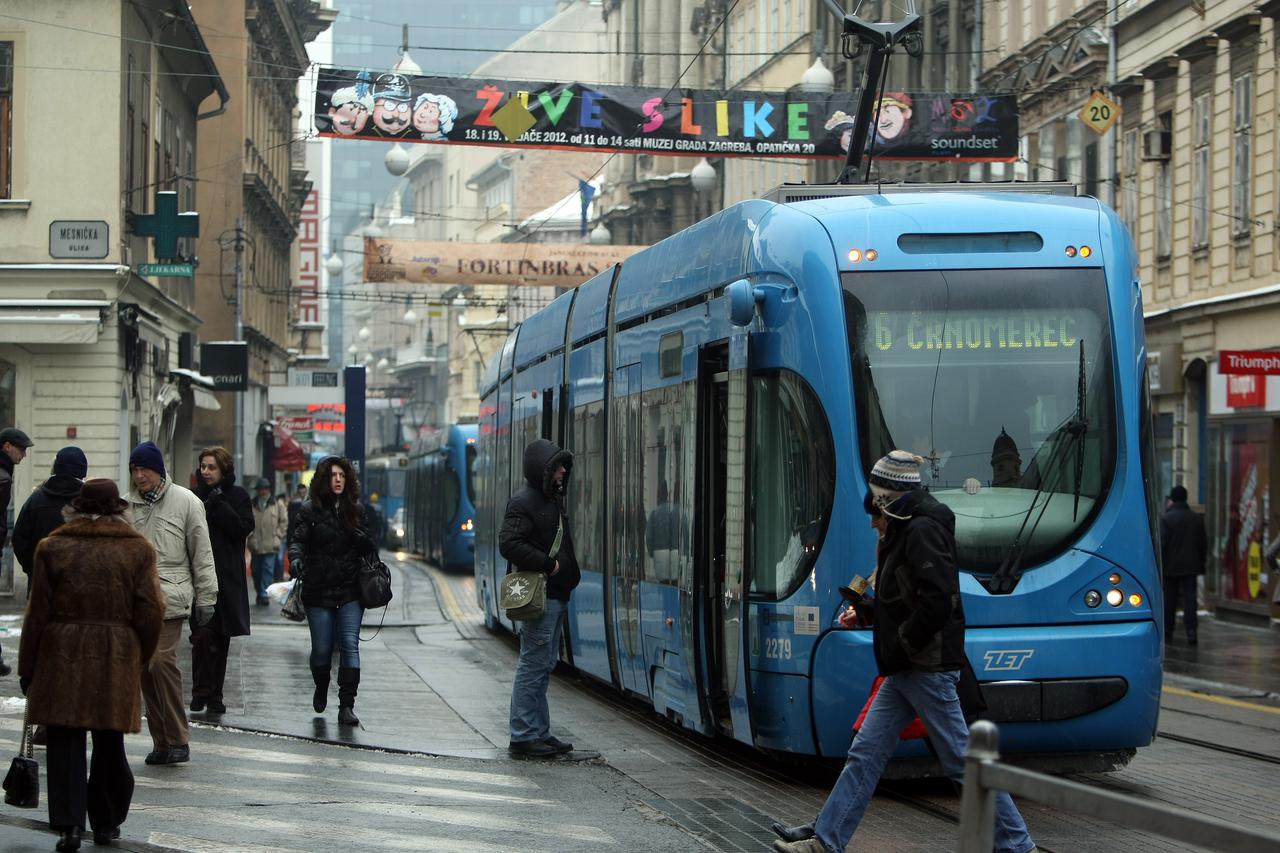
[1099, 113]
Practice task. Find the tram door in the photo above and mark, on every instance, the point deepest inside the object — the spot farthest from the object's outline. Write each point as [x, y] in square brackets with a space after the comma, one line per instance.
[721, 568]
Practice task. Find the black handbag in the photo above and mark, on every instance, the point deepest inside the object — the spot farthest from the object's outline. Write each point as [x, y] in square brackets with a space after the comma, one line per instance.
[293, 609]
[375, 582]
[22, 783]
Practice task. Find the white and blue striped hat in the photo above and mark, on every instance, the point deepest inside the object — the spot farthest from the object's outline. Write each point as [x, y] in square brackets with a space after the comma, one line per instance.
[899, 471]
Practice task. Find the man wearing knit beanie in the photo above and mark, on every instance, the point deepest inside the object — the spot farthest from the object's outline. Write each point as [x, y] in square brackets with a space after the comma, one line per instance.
[918, 638]
[42, 513]
[159, 507]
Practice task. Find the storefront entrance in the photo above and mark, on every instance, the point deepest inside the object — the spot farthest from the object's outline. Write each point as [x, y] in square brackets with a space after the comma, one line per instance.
[1241, 508]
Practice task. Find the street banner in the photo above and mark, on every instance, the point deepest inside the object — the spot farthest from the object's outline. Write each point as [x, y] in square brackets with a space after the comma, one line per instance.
[446, 262]
[681, 122]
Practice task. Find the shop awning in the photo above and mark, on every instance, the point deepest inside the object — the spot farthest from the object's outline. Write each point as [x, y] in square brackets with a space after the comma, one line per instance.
[204, 399]
[47, 321]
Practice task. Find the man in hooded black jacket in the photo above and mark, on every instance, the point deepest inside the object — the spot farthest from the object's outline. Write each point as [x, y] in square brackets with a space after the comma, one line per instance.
[535, 537]
[42, 513]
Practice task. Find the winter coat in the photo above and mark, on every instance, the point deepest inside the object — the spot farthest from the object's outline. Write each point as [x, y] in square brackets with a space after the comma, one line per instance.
[326, 554]
[1183, 542]
[175, 526]
[229, 513]
[93, 620]
[41, 515]
[269, 524]
[533, 513]
[6, 495]
[919, 617]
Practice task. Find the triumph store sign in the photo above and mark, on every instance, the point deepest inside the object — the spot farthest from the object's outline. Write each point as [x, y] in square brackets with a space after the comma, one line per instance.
[588, 117]
[444, 262]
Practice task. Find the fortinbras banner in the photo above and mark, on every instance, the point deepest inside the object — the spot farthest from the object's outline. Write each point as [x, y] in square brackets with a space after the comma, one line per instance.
[449, 262]
[579, 116]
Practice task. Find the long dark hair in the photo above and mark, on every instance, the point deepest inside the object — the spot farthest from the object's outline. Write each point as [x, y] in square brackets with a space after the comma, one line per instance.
[348, 503]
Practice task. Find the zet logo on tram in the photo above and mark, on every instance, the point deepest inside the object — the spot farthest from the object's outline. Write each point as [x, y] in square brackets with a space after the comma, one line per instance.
[1007, 660]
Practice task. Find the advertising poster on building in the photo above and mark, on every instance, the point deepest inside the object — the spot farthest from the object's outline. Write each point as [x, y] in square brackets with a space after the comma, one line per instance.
[364, 104]
[528, 264]
[1242, 564]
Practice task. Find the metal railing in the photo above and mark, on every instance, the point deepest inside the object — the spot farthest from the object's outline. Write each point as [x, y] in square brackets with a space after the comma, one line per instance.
[984, 776]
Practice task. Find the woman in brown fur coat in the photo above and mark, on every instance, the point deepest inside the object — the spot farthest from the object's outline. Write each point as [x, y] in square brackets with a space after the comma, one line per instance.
[93, 619]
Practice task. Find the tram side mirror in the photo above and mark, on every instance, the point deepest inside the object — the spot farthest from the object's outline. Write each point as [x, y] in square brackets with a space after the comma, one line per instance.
[742, 302]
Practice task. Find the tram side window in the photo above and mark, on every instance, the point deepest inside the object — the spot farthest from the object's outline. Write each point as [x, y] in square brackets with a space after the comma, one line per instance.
[471, 472]
[667, 542]
[792, 483]
[586, 486]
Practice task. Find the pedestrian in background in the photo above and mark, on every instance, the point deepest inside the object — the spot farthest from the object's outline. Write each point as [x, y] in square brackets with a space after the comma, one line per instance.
[1184, 547]
[535, 537]
[375, 520]
[172, 519]
[269, 522]
[93, 619]
[278, 574]
[328, 543]
[918, 639]
[42, 513]
[295, 504]
[229, 513]
[13, 449]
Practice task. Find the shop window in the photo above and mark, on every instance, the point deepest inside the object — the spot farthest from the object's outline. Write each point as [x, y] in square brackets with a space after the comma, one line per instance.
[6, 120]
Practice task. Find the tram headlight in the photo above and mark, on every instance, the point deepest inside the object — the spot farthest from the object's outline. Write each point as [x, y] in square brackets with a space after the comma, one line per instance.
[1115, 597]
[1113, 578]
[1071, 251]
[855, 255]
[400, 532]
[1135, 599]
[872, 254]
[468, 526]
[1092, 598]
[1085, 251]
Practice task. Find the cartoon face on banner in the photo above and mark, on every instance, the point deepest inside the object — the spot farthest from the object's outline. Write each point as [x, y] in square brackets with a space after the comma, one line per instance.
[434, 115]
[894, 118]
[391, 105]
[841, 123]
[349, 109]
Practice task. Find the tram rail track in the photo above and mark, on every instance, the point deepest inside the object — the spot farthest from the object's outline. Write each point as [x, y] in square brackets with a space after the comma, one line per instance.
[1218, 747]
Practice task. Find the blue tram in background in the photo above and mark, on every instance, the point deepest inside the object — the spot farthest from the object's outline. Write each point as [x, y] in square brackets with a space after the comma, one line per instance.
[440, 513]
[384, 476]
[726, 392]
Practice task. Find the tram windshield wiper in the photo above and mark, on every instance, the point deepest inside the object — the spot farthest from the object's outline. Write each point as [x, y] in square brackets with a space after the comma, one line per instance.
[1073, 430]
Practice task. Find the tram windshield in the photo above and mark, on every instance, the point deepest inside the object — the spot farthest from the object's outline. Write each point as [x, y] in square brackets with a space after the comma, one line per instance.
[1002, 380]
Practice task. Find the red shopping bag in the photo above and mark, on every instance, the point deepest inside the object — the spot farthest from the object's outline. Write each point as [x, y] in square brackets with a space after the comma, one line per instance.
[914, 729]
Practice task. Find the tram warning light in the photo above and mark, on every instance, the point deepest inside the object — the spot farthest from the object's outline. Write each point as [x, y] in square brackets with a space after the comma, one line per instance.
[1115, 597]
[1092, 598]
[1135, 599]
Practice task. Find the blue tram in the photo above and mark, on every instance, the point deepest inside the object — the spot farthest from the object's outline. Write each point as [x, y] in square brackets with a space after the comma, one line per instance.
[384, 476]
[440, 513]
[725, 393]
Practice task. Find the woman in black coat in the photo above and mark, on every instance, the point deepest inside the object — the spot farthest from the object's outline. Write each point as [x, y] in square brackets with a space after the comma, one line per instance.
[330, 539]
[229, 512]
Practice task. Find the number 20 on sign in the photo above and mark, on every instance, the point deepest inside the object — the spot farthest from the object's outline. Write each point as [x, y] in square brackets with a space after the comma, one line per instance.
[1099, 113]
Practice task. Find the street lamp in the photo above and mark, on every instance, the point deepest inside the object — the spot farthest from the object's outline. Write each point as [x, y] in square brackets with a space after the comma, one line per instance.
[818, 79]
[364, 334]
[383, 363]
[410, 316]
[333, 264]
[372, 230]
[396, 160]
[703, 176]
[601, 235]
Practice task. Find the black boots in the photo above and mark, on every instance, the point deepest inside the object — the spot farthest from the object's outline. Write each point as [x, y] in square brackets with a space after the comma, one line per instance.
[320, 674]
[348, 685]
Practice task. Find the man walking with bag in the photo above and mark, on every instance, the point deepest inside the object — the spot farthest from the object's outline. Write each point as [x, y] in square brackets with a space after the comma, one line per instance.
[919, 647]
[535, 537]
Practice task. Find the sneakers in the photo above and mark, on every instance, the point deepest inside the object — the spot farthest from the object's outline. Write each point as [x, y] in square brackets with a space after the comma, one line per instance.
[197, 705]
[533, 749]
[792, 833]
[806, 845]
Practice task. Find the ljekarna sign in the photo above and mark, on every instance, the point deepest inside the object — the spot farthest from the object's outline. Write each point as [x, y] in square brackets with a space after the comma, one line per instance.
[682, 122]
[445, 262]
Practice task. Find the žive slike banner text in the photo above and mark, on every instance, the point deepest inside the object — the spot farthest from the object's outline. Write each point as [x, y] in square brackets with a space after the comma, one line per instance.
[579, 116]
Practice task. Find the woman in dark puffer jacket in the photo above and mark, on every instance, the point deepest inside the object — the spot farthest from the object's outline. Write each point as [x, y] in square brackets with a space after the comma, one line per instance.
[328, 544]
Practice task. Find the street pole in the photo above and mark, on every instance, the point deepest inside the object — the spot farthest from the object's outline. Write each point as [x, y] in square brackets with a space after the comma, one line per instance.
[238, 427]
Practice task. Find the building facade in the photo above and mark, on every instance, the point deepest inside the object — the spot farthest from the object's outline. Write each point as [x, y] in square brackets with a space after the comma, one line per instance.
[255, 188]
[92, 352]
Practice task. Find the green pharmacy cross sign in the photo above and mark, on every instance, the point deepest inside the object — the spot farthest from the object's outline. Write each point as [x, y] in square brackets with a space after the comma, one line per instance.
[166, 225]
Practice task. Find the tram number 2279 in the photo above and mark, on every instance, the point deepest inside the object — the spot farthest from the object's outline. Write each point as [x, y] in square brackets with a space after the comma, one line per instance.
[777, 648]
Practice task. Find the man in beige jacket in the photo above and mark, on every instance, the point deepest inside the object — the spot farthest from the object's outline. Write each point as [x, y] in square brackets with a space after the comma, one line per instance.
[173, 520]
[269, 521]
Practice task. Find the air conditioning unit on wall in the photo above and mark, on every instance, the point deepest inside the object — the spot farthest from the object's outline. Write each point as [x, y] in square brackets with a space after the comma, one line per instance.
[1157, 144]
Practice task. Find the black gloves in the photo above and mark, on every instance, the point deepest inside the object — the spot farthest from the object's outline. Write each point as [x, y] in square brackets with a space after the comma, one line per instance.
[24, 684]
[202, 615]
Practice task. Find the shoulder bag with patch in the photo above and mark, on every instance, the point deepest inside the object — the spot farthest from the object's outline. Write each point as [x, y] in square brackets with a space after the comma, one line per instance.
[523, 595]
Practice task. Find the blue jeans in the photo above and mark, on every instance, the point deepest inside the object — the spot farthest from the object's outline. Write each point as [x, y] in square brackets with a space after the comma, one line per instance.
[264, 572]
[904, 695]
[539, 651]
[336, 625]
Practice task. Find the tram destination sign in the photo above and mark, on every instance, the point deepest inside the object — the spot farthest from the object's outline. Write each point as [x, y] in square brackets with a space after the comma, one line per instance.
[682, 122]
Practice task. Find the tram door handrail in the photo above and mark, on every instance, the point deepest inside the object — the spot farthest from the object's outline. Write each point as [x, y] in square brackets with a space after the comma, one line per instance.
[985, 774]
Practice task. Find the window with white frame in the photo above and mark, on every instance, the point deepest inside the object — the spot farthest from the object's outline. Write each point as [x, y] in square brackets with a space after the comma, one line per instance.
[1242, 165]
[1201, 124]
[1129, 205]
